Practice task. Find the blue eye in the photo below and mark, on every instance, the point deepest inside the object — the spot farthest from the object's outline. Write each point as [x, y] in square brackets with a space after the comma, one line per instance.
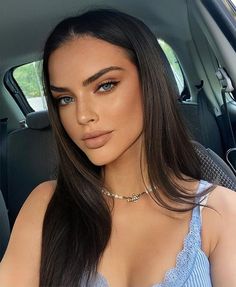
[106, 87]
[63, 101]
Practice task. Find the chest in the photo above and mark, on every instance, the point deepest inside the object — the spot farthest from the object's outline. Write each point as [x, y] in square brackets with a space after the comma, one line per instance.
[142, 249]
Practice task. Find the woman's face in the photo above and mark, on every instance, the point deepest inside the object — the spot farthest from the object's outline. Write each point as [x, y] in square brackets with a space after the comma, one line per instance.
[98, 94]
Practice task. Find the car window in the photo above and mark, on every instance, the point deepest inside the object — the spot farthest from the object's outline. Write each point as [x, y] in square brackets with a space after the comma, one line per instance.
[29, 78]
[174, 63]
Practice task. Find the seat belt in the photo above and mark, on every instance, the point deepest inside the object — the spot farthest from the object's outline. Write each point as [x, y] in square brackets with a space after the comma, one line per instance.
[227, 87]
[3, 158]
[203, 112]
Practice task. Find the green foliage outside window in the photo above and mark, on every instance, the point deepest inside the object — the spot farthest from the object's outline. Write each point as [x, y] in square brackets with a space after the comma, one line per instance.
[28, 78]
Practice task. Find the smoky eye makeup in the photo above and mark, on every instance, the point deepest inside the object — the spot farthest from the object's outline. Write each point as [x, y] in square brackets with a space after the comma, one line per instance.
[106, 86]
[61, 100]
[64, 100]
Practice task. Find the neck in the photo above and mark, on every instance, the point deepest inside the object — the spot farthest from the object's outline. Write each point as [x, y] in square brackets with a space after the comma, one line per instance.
[126, 176]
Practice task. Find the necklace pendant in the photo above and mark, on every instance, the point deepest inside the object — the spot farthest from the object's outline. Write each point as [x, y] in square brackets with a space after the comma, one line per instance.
[134, 198]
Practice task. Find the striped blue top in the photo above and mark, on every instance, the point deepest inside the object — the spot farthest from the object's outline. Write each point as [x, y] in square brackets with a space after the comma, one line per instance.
[192, 265]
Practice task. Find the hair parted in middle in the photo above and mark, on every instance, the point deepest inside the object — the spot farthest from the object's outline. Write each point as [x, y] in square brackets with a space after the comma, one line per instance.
[77, 224]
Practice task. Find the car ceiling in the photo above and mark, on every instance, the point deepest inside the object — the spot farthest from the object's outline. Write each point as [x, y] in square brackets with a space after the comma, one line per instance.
[25, 24]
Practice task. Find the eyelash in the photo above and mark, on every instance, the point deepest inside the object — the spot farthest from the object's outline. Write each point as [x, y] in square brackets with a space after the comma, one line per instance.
[113, 83]
[60, 99]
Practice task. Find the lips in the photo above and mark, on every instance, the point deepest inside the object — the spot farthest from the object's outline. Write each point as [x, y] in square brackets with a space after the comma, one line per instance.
[96, 139]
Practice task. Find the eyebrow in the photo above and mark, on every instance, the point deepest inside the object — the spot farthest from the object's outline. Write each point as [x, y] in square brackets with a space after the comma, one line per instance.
[89, 80]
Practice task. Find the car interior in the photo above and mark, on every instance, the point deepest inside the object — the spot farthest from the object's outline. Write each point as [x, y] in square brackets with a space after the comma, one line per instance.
[202, 36]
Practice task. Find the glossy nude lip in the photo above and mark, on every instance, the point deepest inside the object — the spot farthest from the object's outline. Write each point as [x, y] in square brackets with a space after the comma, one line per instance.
[96, 139]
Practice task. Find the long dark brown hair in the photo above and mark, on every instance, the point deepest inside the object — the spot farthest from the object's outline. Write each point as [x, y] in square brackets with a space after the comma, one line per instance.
[77, 223]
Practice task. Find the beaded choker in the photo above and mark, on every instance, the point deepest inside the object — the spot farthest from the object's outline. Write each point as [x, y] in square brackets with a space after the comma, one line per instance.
[133, 198]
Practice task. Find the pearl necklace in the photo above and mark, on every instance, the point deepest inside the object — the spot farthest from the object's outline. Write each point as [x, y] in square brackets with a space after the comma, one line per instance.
[133, 198]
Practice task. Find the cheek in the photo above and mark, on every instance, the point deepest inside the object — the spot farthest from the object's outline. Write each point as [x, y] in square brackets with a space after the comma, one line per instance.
[68, 121]
[132, 112]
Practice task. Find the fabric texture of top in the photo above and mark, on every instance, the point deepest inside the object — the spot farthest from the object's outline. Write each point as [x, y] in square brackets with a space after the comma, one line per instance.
[192, 267]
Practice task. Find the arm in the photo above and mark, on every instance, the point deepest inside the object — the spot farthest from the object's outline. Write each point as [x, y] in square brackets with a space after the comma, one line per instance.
[21, 262]
[223, 257]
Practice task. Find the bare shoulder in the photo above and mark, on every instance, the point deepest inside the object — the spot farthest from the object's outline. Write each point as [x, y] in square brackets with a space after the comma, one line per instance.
[223, 200]
[223, 254]
[33, 210]
[22, 257]
[42, 194]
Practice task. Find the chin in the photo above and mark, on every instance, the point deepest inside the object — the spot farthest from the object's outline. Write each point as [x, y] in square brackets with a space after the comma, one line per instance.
[100, 160]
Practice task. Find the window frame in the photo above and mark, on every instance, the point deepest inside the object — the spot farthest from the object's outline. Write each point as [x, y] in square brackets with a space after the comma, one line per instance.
[16, 92]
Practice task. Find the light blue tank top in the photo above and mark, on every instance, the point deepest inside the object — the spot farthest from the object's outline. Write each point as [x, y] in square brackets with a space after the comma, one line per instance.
[192, 265]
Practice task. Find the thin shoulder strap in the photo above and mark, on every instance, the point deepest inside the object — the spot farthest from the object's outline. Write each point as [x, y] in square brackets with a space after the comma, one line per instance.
[204, 202]
[203, 185]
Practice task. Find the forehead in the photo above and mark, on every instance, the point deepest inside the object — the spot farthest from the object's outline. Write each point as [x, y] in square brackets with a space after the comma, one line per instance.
[86, 55]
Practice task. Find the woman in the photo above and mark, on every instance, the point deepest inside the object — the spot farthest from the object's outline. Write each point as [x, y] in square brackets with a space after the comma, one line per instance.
[125, 207]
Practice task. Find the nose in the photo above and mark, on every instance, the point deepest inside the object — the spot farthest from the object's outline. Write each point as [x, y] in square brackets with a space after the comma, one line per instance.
[86, 113]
